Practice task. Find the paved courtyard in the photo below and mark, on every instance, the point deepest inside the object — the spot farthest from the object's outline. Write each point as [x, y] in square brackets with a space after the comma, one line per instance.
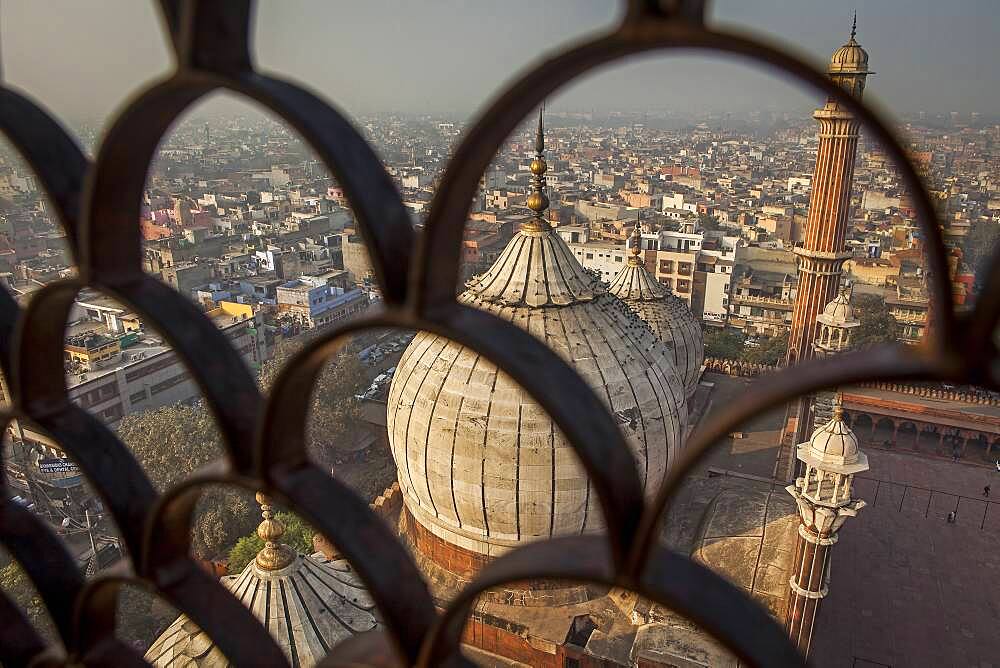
[909, 589]
[755, 453]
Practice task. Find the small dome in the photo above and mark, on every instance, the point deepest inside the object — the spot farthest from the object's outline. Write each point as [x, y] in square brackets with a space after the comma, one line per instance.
[849, 58]
[668, 316]
[833, 447]
[308, 604]
[839, 312]
[327, 592]
[835, 440]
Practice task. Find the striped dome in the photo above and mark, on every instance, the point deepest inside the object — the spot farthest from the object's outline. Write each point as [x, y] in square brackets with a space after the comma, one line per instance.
[308, 607]
[480, 464]
[668, 316]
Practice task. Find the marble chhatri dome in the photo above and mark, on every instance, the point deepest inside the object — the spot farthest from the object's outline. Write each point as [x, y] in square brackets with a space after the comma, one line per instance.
[309, 604]
[480, 464]
[667, 314]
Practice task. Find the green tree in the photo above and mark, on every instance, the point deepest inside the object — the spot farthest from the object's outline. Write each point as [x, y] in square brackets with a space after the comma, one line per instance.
[142, 617]
[724, 344]
[770, 350]
[877, 323]
[298, 536]
[15, 583]
[170, 443]
[978, 246]
[332, 407]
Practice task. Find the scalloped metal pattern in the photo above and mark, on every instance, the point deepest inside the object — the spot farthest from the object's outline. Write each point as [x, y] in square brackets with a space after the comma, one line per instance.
[98, 204]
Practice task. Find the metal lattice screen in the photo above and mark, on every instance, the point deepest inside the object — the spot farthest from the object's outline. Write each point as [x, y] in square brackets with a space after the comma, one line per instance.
[98, 204]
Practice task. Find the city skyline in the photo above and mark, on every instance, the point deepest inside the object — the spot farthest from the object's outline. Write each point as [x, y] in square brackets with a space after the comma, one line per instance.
[468, 56]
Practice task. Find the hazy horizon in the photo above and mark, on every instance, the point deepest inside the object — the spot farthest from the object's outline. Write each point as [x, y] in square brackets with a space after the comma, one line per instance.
[83, 60]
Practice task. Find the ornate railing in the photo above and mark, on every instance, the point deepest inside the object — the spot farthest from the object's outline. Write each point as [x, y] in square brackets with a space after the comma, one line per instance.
[98, 204]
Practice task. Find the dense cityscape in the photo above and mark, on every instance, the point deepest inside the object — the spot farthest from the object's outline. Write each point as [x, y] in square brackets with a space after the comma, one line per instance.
[714, 218]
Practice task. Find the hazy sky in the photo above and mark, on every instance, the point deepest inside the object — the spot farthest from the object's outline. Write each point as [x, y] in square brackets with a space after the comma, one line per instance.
[84, 58]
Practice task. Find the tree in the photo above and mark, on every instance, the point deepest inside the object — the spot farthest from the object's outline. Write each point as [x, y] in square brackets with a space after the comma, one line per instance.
[15, 583]
[170, 443]
[332, 408]
[770, 350]
[708, 222]
[877, 323]
[298, 536]
[724, 344]
[978, 246]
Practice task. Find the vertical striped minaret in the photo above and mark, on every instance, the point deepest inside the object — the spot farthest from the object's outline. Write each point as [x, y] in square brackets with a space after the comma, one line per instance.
[822, 255]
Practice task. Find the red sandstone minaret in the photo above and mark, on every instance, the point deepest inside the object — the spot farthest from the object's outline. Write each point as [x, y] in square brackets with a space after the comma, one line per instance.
[822, 255]
[825, 499]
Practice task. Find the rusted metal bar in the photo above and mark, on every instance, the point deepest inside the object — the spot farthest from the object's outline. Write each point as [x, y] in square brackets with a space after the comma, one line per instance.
[99, 206]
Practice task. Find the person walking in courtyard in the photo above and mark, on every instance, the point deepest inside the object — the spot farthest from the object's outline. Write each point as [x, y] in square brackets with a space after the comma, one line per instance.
[986, 491]
[951, 517]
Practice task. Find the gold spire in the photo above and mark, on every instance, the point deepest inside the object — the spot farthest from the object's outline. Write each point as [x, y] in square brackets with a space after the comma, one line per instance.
[537, 201]
[854, 25]
[634, 260]
[838, 406]
[274, 555]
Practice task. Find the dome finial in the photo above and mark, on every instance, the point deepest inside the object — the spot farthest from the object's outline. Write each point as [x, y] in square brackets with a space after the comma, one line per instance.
[838, 406]
[636, 240]
[854, 25]
[540, 133]
[537, 201]
[274, 555]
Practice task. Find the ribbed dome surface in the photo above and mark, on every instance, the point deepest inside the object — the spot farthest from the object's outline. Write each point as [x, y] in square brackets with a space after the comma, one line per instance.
[851, 57]
[834, 442]
[668, 316]
[479, 463]
[308, 607]
[838, 312]
[536, 268]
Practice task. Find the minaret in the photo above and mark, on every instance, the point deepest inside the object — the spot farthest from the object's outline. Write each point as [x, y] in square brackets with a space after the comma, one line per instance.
[831, 459]
[822, 255]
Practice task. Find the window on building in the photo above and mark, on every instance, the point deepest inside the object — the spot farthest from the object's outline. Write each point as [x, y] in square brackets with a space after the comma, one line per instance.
[590, 256]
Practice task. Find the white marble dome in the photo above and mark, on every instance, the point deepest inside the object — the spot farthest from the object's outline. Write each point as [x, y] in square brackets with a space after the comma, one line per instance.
[308, 604]
[839, 312]
[480, 464]
[667, 314]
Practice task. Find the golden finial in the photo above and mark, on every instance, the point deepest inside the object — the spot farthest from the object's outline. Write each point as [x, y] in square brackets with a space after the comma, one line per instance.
[854, 25]
[274, 555]
[537, 200]
[838, 406]
[636, 242]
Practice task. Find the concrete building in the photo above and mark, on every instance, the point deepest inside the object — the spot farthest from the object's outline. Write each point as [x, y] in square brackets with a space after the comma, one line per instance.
[604, 257]
[315, 302]
[356, 260]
